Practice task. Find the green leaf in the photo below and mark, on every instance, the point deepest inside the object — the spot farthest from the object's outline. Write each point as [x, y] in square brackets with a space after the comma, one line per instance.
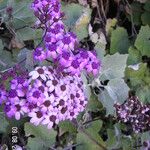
[72, 13]
[93, 130]
[134, 56]
[81, 26]
[119, 41]
[116, 140]
[93, 104]
[136, 9]
[22, 14]
[68, 126]
[7, 60]
[139, 81]
[115, 91]
[44, 136]
[26, 34]
[143, 40]
[28, 55]
[87, 89]
[113, 66]
[87, 143]
[145, 18]
[111, 142]
[4, 123]
[111, 23]
[127, 143]
[77, 18]
[143, 93]
[36, 144]
[100, 50]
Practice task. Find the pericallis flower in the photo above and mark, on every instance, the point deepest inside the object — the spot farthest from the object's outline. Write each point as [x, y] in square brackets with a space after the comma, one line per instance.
[44, 95]
[39, 54]
[135, 113]
[59, 44]
[49, 94]
[61, 97]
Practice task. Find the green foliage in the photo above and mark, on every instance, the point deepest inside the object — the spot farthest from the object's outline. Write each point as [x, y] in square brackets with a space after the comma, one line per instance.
[77, 18]
[143, 40]
[119, 41]
[145, 16]
[26, 34]
[22, 14]
[43, 139]
[4, 123]
[116, 140]
[136, 10]
[67, 126]
[134, 56]
[115, 91]
[110, 25]
[89, 138]
[113, 66]
[7, 60]
[72, 13]
[93, 104]
[139, 81]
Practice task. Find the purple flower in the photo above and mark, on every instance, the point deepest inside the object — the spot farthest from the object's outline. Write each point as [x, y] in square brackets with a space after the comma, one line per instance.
[134, 113]
[13, 96]
[39, 73]
[39, 54]
[10, 110]
[21, 109]
[74, 68]
[93, 67]
[51, 119]
[36, 117]
[65, 59]
[35, 96]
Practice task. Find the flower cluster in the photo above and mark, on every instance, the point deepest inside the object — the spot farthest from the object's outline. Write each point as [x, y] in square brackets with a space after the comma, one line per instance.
[44, 95]
[57, 97]
[134, 113]
[49, 94]
[13, 92]
[59, 45]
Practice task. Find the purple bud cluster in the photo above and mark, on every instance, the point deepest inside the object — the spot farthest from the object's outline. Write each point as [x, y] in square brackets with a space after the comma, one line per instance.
[44, 95]
[59, 45]
[135, 113]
